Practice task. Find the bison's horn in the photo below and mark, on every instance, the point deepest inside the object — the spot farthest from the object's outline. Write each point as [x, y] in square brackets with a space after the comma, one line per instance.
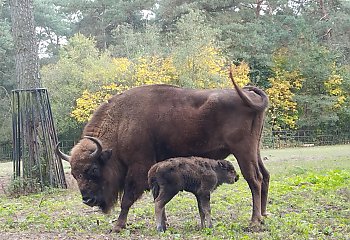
[98, 150]
[61, 154]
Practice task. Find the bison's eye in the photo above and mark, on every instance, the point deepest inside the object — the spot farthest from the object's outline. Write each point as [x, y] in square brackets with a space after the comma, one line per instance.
[93, 173]
[80, 176]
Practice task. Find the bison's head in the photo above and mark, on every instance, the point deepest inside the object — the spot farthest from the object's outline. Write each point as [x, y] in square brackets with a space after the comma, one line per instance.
[226, 172]
[88, 166]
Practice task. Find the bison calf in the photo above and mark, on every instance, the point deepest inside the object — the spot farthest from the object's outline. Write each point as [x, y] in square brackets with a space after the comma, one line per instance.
[200, 176]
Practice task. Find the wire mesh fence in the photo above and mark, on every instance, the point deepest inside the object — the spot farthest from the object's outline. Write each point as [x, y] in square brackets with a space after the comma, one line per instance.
[271, 139]
[6, 152]
[6, 149]
[303, 138]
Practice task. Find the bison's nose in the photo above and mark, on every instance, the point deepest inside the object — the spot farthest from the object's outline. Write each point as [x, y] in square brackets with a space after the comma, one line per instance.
[236, 178]
[90, 201]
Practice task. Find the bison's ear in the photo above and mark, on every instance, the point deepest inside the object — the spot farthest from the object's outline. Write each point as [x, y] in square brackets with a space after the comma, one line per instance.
[105, 156]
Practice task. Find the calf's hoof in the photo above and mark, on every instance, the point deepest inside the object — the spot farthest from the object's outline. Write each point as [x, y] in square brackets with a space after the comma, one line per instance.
[266, 214]
[161, 228]
[205, 226]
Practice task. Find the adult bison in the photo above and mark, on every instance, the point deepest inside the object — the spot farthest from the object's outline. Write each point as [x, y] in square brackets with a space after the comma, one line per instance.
[149, 124]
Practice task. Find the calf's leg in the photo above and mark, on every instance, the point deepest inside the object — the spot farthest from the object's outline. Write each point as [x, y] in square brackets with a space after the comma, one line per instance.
[203, 201]
[164, 219]
[201, 212]
[159, 208]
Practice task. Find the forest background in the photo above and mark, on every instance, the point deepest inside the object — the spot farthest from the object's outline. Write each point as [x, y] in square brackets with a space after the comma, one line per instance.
[298, 51]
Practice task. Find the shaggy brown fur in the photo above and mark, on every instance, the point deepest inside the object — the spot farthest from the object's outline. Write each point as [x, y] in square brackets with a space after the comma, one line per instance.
[149, 124]
[200, 176]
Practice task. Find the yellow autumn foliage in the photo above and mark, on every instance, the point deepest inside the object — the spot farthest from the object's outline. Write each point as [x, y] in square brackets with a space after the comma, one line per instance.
[160, 70]
[334, 87]
[89, 101]
[154, 70]
[205, 69]
[283, 108]
[241, 73]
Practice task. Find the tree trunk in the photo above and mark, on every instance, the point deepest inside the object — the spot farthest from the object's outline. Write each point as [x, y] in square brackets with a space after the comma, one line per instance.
[33, 131]
[26, 48]
[258, 7]
[325, 17]
[323, 11]
[27, 71]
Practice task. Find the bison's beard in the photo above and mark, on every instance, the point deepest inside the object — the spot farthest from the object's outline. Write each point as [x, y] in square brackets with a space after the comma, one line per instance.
[112, 188]
[110, 198]
[104, 208]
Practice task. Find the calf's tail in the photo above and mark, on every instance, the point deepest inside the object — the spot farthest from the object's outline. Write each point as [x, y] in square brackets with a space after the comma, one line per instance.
[154, 188]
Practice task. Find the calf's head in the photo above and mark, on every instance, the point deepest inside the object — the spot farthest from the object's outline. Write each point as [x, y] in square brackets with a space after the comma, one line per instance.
[226, 172]
[88, 162]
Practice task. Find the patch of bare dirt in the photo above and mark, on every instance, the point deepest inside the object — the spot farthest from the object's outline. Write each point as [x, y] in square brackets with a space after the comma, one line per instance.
[6, 176]
[5, 180]
[71, 182]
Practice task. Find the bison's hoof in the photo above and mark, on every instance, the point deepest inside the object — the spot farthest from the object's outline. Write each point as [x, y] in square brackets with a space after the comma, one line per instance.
[117, 228]
[254, 226]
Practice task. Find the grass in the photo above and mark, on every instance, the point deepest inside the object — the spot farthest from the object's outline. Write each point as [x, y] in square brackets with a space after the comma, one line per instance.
[309, 199]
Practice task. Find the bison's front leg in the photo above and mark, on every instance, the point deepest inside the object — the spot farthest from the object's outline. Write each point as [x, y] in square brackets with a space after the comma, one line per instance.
[135, 185]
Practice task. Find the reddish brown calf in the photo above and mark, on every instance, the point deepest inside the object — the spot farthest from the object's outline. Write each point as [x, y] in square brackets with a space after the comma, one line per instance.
[200, 176]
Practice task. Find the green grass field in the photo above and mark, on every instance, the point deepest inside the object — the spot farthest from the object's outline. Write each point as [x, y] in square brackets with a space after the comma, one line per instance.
[309, 199]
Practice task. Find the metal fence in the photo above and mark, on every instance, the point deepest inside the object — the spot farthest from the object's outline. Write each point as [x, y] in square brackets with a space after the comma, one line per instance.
[6, 152]
[271, 139]
[34, 139]
[6, 149]
[303, 138]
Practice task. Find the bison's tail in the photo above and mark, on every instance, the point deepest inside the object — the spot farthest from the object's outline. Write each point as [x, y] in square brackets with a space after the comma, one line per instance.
[261, 106]
[154, 188]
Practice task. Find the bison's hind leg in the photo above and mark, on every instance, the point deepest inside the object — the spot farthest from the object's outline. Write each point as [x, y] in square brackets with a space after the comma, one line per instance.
[264, 186]
[247, 159]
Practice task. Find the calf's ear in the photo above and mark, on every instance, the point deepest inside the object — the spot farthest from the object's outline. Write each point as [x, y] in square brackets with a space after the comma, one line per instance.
[105, 156]
[222, 165]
